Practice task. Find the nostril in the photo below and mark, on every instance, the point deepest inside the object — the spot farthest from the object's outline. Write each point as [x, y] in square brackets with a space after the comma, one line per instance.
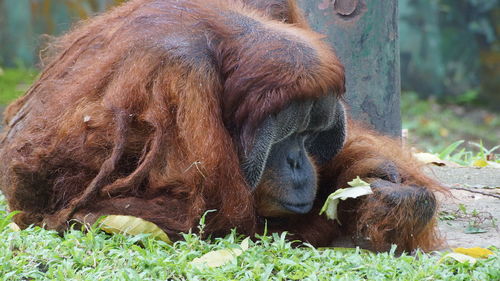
[293, 162]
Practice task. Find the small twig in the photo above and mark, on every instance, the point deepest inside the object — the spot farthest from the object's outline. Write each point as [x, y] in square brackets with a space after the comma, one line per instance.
[475, 191]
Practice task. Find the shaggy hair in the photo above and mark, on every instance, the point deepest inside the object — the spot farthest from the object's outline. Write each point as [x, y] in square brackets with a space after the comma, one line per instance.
[142, 111]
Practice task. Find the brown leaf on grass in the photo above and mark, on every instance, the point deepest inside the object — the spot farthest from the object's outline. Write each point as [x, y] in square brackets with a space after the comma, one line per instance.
[428, 158]
[14, 227]
[132, 226]
[468, 255]
[461, 258]
[220, 257]
[480, 163]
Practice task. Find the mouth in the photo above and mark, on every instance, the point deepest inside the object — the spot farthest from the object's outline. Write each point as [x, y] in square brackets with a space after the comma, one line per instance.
[298, 208]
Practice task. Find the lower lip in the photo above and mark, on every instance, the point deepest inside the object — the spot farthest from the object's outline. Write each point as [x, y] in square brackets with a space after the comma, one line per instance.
[297, 208]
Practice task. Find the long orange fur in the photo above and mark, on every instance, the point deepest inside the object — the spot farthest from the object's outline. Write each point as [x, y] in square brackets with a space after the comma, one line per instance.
[127, 119]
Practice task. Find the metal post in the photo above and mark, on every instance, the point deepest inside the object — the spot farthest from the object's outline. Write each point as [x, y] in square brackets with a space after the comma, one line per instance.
[364, 34]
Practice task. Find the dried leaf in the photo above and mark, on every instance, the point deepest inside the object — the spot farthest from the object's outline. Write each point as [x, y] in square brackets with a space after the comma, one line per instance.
[244, 244]
[133, 226]
[14, 227]
[428, 158]
[359, 188]
[220, 257]
[459, 257]
[475, 252]
[480, 163]
[344, 250]
[216, 258]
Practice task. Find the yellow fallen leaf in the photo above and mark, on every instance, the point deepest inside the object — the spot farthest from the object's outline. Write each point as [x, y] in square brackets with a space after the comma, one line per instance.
[480, 163]
[444, 132]
[358, 188]
[428, 158]
[133, 226]
[220, 257]
[344, 250]
[245, 244]
[459, 257]
[475, 252]
[13, 226]
[216, 258]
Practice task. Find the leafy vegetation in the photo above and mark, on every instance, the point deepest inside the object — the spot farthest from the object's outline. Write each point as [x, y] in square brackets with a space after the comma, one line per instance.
[39, 254]
[432, 126]
[483, 158]
[14, 82]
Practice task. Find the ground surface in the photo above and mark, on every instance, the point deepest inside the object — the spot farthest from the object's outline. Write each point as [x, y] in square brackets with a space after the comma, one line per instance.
[466, 208]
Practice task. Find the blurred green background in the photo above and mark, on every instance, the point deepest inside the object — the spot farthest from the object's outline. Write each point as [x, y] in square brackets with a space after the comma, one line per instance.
[450, 61]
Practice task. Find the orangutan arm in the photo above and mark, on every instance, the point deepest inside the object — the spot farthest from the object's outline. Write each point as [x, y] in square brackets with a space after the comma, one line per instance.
[402, 208]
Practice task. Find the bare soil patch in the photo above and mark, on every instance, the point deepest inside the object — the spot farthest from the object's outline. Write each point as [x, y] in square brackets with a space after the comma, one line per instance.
[474, 204]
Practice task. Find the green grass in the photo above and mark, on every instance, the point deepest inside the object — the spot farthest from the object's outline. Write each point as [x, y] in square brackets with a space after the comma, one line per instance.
[38, 254]
[14, 82]
[467, 157]
[433, 126]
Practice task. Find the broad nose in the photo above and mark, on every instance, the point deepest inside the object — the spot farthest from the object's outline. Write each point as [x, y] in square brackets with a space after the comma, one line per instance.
[294, 159]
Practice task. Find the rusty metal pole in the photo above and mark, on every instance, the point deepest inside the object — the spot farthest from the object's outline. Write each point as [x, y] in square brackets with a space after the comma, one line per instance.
[364, 34]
